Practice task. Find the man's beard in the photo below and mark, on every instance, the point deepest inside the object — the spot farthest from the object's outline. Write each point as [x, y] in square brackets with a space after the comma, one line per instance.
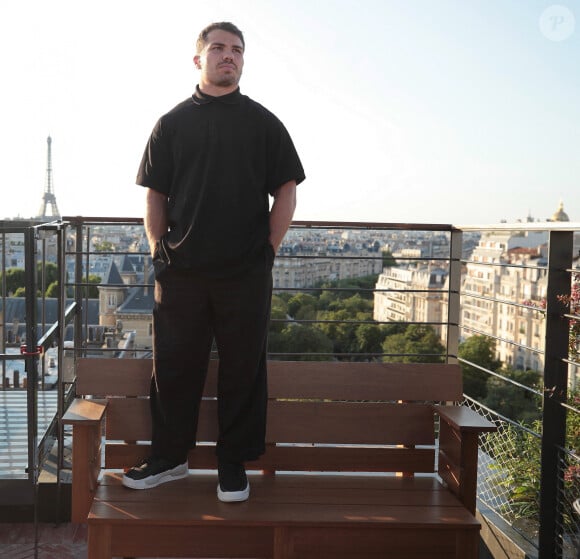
[227, 81]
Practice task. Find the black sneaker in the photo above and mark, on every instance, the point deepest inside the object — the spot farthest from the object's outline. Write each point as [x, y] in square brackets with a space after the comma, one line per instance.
[152, 472]
[233, 485]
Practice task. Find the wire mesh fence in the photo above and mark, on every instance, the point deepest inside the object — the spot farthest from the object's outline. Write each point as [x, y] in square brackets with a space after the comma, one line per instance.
[569, 504]
[509, 481]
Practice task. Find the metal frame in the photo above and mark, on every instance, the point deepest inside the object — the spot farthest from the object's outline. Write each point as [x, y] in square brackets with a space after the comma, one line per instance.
[555, 387]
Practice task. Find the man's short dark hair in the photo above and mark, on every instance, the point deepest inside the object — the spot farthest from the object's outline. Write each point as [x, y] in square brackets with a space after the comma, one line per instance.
[224, 26]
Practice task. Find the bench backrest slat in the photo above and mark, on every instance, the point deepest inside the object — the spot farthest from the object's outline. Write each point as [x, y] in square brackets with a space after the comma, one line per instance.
[294, 379]
[295, 422]
[349, 423]
[365, 381]
[311, 403]
[299, 458]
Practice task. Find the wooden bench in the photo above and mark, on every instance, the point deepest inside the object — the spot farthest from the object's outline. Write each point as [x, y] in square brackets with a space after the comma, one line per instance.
[352, 469]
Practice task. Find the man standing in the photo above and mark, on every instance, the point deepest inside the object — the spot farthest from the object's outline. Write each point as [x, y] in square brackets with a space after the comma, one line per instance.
[209, 167]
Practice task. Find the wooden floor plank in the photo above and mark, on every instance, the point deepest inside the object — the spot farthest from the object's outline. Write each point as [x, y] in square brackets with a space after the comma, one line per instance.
[204, 514]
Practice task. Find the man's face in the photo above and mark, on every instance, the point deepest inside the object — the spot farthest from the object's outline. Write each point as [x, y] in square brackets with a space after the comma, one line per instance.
[222, 60]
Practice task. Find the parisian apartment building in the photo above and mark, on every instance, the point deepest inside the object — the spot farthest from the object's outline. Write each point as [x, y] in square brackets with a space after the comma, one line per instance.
[503, 290]
[503, 286]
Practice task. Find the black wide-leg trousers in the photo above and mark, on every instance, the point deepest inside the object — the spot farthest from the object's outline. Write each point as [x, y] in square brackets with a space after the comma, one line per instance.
[190, 312]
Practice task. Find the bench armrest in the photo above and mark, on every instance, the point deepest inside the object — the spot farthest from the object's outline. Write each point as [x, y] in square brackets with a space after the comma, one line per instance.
[86, 418]
[83, 411]
[463, 418]
[459, 430]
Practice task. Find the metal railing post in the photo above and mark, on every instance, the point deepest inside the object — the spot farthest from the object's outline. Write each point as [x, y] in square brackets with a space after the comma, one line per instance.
[31, 361]
[453, 296]
[30, 349]
[3, 330]
[78, 335]
[61, 387]
[555, 391]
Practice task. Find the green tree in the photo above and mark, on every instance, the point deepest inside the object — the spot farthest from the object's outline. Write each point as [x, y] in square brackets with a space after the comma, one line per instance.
[325, 299]
[388, 259]
[512, 401]
[337, 315]
[15, 278]
[394, 328]
[50, 273]
[338, 328]
[356, 304]
[306, 312]
[419, 343]
[104, 246]
[300, 339]
[299, 301]
[479, 350]
[91, 291]
[278, 301]
[53, 290]
[369, 338]
[348, 287]
[279, 314]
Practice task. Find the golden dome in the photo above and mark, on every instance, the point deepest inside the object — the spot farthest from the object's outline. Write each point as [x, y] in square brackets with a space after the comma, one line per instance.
[560, 214]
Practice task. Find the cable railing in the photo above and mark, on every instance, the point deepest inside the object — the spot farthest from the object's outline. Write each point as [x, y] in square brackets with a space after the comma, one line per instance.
[389, 292]
[319, 284]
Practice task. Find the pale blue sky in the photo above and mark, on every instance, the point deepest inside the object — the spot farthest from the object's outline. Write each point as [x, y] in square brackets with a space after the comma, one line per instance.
[435, 111]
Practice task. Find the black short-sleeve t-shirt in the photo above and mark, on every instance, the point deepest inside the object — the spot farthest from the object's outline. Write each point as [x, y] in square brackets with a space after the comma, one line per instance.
[217, 159]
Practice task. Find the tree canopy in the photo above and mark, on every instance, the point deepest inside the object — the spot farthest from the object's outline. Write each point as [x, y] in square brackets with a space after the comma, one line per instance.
[16, 281]
[337, 318]
[419, 343]
[479, 350]
[512, 401]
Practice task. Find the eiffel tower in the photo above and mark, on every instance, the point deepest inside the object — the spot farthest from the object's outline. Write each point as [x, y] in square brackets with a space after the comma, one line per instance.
[48, 198]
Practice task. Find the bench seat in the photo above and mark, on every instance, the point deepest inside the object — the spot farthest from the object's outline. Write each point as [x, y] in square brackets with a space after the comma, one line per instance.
[289, 507]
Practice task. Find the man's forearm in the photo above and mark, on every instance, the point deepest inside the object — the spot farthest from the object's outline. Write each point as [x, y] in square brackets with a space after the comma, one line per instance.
[282, 212]
[155, 217]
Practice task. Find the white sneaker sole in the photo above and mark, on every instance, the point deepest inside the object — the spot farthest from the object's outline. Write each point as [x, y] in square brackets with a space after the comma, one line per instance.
[233, 496]
[178, 472]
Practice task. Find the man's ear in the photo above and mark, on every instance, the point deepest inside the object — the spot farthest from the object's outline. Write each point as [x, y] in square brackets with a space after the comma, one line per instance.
[197, 61]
